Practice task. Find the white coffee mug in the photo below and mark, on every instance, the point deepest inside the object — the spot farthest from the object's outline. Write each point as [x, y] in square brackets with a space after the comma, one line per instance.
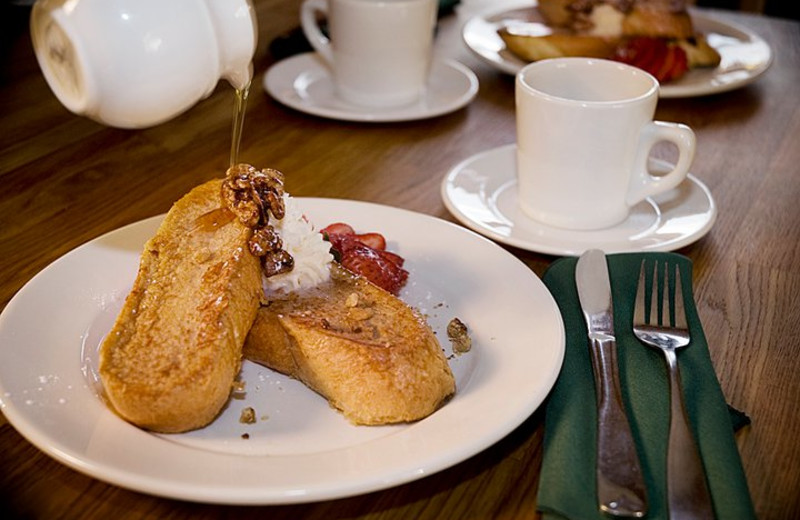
[137, 63]
[379, 51]
[585, 131]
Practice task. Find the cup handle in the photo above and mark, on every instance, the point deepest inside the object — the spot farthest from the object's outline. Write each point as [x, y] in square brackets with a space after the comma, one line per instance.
[308, 21]
[643, 184]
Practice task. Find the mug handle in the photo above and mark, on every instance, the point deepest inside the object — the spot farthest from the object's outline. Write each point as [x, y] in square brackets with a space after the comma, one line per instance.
[308, 21]
[643, 184]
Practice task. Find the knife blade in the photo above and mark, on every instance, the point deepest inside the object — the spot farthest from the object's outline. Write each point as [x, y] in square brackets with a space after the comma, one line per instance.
[620, 484]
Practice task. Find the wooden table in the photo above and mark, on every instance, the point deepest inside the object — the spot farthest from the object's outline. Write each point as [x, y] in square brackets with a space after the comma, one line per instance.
[66, 180]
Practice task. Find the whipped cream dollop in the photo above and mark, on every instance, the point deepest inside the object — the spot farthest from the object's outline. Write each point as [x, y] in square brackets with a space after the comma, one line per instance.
[310, 251]
[606, 21]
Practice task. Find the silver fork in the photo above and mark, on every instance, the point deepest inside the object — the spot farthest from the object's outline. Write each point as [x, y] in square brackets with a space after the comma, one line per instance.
[687, 490]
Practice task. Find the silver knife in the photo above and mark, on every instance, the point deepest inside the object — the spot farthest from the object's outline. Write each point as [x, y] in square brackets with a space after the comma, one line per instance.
[620, 485]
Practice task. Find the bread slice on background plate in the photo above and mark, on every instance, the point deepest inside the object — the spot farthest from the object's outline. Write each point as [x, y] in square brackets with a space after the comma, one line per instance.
[601, 29]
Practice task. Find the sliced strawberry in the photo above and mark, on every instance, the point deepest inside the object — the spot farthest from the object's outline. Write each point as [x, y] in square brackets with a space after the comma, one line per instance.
[681, 63]
[338, 228]
[393, 257]
[365, 254]
[647, 53]
[661, 54]
[373, 240]
[375, 267]
[341, 242]
[633, 51]
[653, 55]
[674, 65]
[664, 71]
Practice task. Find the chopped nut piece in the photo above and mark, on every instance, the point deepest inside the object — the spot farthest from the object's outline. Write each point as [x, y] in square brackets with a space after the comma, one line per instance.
[238, 391]
[352, 300]
[277, 262]
[359, 314]
[459, 336]
[264, 240]
[248, 416]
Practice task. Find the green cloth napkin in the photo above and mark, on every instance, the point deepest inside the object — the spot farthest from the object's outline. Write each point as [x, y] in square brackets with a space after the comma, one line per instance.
[567, 485]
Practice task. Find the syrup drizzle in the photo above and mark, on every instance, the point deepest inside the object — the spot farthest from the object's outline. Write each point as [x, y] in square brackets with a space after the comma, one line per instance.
[239, 107]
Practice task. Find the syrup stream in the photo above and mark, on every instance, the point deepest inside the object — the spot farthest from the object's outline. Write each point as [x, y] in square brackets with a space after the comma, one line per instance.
[239, 107]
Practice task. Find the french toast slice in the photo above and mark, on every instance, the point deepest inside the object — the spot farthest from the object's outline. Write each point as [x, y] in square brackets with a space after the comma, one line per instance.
[368, 353]
[171, 358]
[535, 42]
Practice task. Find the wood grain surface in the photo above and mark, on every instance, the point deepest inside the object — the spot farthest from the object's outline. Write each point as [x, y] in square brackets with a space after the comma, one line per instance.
[66, 180]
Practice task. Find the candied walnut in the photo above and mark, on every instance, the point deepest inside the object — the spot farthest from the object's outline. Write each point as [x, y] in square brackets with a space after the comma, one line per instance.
[277, 262]
[265, 241]
[248, 212]
[275, 203]
[459, 336]
[252, 195]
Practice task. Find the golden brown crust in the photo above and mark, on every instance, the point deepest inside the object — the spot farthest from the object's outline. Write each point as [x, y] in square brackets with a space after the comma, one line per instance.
[556, 44]
[651, 22]
[555, 12]
[171, 358]
[367, 352]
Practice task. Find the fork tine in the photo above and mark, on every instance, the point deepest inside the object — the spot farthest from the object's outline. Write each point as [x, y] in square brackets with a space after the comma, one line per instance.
[639, 312]
[680, 312]
[663, 303]
[666, 301]
[654, 311]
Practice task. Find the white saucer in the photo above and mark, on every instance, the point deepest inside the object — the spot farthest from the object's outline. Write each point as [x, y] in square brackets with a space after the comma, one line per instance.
[303, 82]
[481, 192]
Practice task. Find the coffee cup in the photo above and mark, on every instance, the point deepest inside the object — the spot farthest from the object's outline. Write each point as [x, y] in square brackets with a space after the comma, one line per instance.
[378, 51]
[585, 132]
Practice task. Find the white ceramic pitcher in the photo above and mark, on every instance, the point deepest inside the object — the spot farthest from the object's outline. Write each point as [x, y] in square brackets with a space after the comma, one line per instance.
[137, 63]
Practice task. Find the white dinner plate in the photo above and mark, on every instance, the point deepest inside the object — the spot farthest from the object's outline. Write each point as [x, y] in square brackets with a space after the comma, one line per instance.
[300, 449]
[745, 55]
[303, 82]
[481, 192]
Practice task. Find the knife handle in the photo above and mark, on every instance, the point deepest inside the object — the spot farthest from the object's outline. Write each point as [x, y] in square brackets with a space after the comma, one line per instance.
[620, 484]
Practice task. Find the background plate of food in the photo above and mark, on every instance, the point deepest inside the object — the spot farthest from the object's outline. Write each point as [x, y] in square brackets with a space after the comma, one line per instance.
[297, 448]
[743, 56]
